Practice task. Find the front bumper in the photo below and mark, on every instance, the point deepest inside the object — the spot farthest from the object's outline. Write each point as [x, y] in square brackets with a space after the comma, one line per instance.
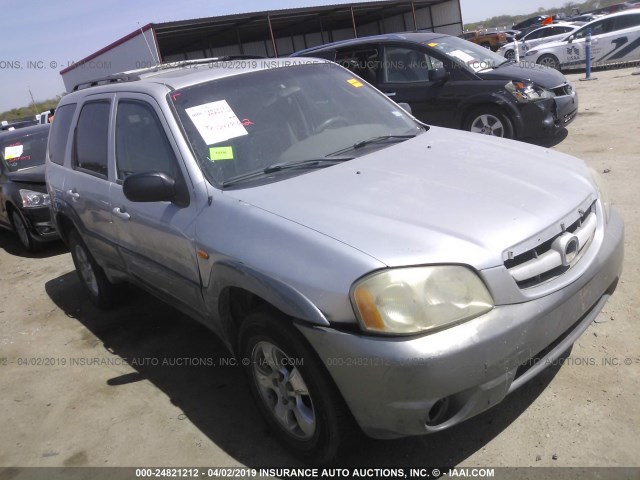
[39, 223]
[546, 118]
[410, 386]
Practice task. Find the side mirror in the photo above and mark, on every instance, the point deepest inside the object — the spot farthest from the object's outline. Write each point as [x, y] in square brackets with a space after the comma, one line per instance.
[571, 38]
[149, 187]
[405, 106]
[438, 75]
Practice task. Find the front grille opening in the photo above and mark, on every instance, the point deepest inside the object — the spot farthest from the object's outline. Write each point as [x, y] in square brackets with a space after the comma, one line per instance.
[545, 247]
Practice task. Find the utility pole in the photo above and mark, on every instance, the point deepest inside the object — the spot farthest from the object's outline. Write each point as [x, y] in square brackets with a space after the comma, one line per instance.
[33, 102]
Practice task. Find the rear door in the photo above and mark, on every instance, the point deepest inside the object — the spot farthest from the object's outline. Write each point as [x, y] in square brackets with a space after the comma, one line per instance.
[87, 181]
[155, 238]
[622, 43]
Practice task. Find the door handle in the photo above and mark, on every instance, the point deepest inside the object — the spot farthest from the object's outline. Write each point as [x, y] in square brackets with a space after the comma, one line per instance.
[73, 194]
[121, 213]
[390, 94]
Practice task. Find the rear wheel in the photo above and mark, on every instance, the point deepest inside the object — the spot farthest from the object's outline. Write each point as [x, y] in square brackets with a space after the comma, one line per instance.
[292, 389]
[510, 55]
[550, 61]
[20, 227]
[92, 277]
[489, 120]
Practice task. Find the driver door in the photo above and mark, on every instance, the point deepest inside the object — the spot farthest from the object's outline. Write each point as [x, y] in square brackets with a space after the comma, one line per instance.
[154, 238]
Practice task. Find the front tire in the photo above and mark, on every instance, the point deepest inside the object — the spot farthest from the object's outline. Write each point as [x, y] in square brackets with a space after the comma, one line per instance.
[92, 276]
[550, 61]
[489, 120]
[510, 55]
[292, 390]
[22, 231]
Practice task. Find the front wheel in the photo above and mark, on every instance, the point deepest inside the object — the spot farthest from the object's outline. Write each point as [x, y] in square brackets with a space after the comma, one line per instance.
[489, 121]
[292, 390]
[550, 61]
[20, 227]
[92, 277]
[510, 55]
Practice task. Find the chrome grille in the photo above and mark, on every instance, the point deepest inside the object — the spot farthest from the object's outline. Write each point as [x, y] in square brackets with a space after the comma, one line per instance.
[555, 256]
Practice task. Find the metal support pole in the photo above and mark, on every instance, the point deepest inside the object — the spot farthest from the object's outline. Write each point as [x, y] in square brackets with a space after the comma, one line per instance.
[273, 40]
[353, 20]
[413, 12]
[516, 50]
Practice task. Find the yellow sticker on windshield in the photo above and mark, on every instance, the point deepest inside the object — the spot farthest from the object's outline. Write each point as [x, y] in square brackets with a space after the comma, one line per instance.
[432, 44]
[355, 83]
[220, 153]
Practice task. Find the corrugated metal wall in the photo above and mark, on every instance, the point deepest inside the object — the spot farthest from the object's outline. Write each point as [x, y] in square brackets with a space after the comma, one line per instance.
[440, 18]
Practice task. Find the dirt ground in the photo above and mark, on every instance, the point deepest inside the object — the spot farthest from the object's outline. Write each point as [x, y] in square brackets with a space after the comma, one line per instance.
[69, 398]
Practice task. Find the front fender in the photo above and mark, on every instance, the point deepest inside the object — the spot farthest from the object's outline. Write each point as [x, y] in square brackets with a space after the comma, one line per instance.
[229, 274]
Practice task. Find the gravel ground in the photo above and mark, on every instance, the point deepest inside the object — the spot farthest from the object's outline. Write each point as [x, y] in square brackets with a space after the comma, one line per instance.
[76, 402]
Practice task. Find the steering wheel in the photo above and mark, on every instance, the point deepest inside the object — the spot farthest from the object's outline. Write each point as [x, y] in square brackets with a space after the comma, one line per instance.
[332, 123]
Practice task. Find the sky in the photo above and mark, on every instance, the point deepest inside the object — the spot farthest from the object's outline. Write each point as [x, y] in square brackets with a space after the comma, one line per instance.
[40, 37]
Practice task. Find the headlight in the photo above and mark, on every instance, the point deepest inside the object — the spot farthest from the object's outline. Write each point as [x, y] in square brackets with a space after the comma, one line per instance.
[418, 299]
[530, 52]
[528, 92]
[31, 199]
[603, 193]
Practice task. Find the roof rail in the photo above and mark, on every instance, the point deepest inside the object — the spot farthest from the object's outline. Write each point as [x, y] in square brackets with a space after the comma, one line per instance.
[134, 75]
[114, 78]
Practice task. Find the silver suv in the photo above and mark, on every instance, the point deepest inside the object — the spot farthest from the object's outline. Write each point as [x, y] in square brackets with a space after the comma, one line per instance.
[369, 271]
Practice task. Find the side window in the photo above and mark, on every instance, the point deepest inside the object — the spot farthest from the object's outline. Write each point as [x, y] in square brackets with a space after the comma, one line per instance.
[537, 34]
[364, 63]
[91, 138]
[598, 28]
[141, 142]
[60, 132]
[564, 29]
[627, 21]
[404, 65]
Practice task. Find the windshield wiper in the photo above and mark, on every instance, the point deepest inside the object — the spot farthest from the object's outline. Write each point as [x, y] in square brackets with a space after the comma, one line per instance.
[277, 167]
[495, 66]
[364, 143]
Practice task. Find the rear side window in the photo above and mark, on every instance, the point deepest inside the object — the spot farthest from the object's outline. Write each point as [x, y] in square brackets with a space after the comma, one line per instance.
[91, 138]
[60, 133]
[627, 21]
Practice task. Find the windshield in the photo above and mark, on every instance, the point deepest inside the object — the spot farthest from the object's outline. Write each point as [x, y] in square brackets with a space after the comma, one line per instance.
[284, 116]
[467, 54]
[26, 151]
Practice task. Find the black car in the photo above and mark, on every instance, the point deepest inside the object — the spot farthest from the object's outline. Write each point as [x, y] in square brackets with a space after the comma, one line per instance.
[24, 200]
[450, 82]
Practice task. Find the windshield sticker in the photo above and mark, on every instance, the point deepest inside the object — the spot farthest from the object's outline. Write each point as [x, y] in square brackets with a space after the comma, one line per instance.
[355, 82]
[468, 59]
[432, 45]
[216, 122]
[220, 153]
[246, 122]
[13, 151]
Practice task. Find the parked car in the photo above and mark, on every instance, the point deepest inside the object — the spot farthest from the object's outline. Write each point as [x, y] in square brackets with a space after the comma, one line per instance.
[371, 271]
[453, 83]
[533, 22]
[15, 124]
[615, 39]
[492, 41]
[24, 206]
[541, 35]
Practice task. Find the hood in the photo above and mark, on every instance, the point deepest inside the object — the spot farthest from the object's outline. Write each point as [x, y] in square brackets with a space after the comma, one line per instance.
[444, 197]
[540, 75]
[33, 175]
